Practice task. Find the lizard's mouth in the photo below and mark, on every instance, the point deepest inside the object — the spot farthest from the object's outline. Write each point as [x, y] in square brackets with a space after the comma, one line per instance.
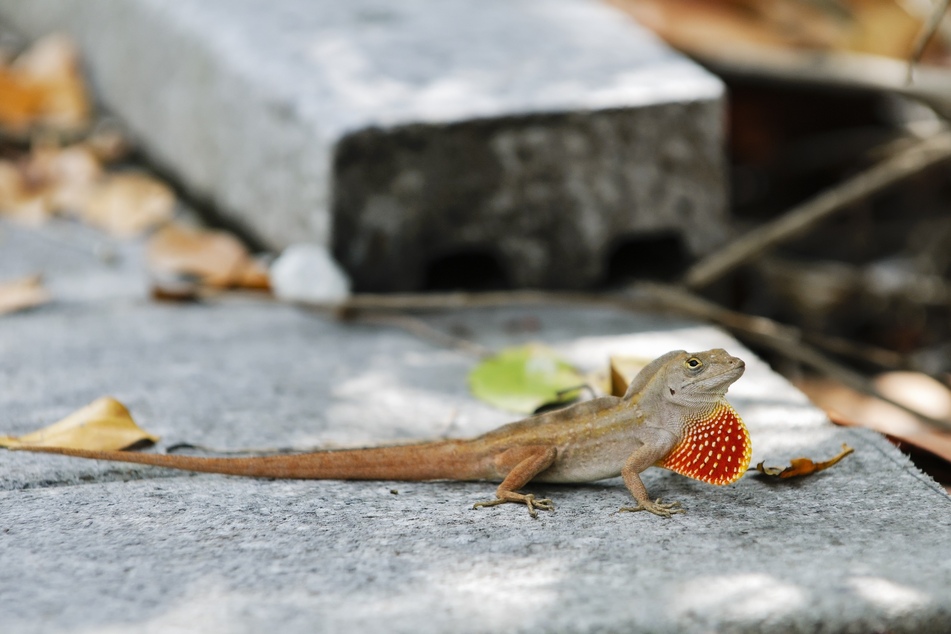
[723, 379]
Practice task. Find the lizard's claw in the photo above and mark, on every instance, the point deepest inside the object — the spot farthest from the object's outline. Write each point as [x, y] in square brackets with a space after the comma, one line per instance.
[656, 507]
[527, 499]
[544, 504]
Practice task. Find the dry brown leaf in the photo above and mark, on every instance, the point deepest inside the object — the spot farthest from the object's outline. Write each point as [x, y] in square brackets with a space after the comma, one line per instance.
[21, 294]
[21, 101]
[127, 204]
[63, 176]
[103, 425]
[702, 26]
[848, 407]
[107, 143]
[725, 28]
[252, 274]
[49, 180]
[803, 466]
[70, 180]
[72, 173]
[623, 371]
[51, 68]
[17, 202]
[216, 258]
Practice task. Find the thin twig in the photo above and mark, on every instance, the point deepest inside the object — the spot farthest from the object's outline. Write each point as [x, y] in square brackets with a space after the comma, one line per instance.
[423, 330]
[885, 359]
[924, 36]
[803, 217]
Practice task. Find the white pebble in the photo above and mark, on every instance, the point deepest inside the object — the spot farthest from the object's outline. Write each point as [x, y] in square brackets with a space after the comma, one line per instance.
[308, 273]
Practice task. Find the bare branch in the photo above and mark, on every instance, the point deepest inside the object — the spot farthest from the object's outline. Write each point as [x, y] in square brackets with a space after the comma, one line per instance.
[804, 217]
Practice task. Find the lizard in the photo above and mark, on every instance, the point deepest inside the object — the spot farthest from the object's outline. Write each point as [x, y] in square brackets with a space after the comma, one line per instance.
[674, 414]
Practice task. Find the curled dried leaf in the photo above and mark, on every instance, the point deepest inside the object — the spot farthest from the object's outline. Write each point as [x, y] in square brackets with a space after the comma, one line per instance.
[22, 101]
[128, 204]
[62, 176]
[214, 258]
[802, 466]
[17, 202]
[50, 77]
[23, 293]
[845, 406]
[103, 425]
[721, 29]
[623, 370]
[49, 180]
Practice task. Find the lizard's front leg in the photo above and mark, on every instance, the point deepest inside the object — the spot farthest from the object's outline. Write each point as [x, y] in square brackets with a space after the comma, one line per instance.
[659, 444]
[529, 462]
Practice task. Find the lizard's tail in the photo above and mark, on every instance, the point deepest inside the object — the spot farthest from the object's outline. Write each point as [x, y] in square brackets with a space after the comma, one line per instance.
[447, 460]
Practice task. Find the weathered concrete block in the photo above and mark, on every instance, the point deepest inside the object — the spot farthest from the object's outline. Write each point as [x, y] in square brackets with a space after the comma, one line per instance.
[541, 134]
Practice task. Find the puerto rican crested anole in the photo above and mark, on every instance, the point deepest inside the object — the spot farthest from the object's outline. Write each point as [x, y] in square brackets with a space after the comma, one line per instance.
[674, 415]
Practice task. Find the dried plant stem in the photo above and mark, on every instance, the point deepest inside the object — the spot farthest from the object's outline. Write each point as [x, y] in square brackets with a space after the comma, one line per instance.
[423, 330]
[804, 217]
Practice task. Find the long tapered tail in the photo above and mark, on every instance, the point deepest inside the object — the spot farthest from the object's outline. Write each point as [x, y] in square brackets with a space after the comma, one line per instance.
[448, 460]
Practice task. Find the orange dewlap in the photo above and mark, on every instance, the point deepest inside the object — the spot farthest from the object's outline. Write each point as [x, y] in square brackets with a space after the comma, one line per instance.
[716, 447]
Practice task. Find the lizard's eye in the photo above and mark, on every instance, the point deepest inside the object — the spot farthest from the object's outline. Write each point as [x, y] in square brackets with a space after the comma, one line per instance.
[693, 363]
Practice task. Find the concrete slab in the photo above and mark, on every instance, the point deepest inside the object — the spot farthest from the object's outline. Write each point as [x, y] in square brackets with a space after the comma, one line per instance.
[542, 136]
[95, 547]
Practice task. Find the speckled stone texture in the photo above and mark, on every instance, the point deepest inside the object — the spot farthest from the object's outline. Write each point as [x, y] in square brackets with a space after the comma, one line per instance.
[100, 547]
[543, 136]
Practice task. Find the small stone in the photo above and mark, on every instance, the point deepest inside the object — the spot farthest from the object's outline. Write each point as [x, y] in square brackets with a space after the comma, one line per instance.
[308, 273]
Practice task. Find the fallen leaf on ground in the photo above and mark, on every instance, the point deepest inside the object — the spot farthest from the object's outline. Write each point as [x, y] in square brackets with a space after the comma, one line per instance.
[214, 258]
[17, 202]
[127, 204]
[103, 425]
[523, 378]
[802, 466]
[21, 101]
[108, 142]
[63, 176]
[720, 28]
[44, 86]
[48, 180]
[623, 370]
[917, 391]
[27, 292]
[251, 274]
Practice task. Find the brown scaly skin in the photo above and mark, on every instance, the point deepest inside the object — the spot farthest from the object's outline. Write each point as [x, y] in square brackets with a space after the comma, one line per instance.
[593, 440]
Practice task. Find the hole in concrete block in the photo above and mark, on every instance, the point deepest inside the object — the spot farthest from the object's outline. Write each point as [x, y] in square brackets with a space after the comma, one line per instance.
[654, 256]
[472, 270]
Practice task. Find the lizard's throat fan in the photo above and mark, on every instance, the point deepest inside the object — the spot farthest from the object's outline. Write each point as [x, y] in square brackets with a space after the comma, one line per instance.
[715, 448]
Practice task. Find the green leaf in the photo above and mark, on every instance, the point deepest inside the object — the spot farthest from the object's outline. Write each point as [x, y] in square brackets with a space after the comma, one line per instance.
[524, 378]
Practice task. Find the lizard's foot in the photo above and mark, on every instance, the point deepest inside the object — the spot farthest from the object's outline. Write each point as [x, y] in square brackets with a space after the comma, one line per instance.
[656, 507]
[519, 498]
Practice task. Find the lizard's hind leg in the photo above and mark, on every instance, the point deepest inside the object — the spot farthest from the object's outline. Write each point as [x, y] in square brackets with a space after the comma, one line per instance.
[528, 462]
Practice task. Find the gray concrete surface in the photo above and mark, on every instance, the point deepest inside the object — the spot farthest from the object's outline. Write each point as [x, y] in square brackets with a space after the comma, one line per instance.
[543, 135]
[96, 547]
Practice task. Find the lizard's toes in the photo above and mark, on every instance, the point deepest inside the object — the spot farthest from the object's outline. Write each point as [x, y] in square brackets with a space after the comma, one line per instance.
[661, 509]
[544, 504]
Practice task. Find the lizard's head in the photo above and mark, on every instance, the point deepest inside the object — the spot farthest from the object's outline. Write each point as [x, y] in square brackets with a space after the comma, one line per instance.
[697, 378]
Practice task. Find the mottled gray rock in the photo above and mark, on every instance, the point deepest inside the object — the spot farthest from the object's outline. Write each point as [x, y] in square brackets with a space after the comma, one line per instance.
[541, 135]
